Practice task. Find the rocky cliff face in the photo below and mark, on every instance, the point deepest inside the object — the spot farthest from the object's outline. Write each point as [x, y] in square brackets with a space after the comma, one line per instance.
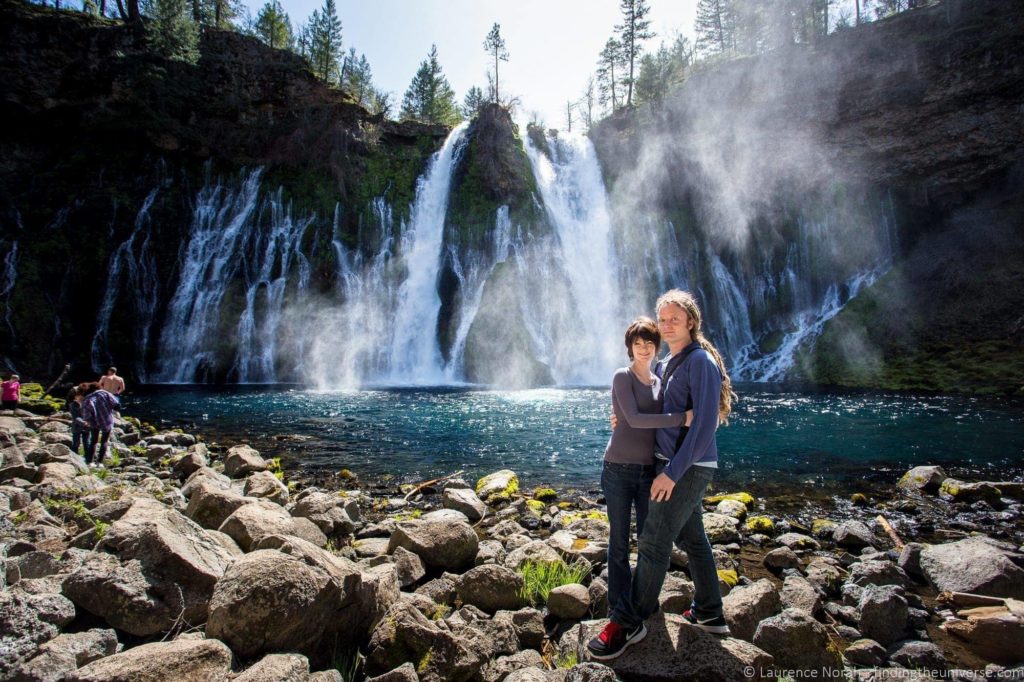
[917, 115]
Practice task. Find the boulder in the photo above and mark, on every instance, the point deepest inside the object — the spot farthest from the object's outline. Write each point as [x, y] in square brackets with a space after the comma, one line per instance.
[465, 501]
[922, 479]
[824, 573]
[191, 462]
[733, 508]
[972, 565]
[572, 547]
[499, 669]
[529, 626]
[746, 606]
[882, 614]
[721, 529]
[405, 634]
[121, 595]
[208, 475]
[499, 486]
[22, 629]
[853, 535]
[878, 572]
[251, 522]
[795, 637]
[210, 505]
[674, 650]
[409, 567]
[449, 546]
[798, 593]
[962, 491]
[916, 655]
[781, 558]
[181, 659]
[569, 602]
[537, 551]
[243, 460]
[797, 541]
[327, 512]
[403, 673]
[490, 552]
[910, 561]
[265, 484]
[491, 587]
[276, 668]
[58, 658]
[865, 652]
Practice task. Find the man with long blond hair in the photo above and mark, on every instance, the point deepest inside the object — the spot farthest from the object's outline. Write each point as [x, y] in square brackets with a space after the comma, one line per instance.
[693, 376]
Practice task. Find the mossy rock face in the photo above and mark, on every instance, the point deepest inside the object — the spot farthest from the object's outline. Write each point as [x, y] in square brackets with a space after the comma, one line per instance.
[535, 506]
[544, 494]
[565, 519]
[859, 499]
[761, 524]
[962, 491]
[729, 577]
[33, 400]
[822, 527]
[499, 486]
[745, 498]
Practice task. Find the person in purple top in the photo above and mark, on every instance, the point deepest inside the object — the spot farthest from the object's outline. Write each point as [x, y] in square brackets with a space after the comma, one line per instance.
[629, 463]
[98, 414]
[693, 377]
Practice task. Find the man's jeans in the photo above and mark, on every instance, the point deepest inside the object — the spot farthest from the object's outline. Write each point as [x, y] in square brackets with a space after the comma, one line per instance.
[624, 486]
[679, 520]
[80, 437]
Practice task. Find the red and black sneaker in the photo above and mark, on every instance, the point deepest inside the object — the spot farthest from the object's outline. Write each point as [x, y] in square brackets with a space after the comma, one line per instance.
[716, 625]
[613, 640]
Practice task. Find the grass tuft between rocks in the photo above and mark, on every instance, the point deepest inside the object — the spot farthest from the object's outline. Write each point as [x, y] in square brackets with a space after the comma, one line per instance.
[540, 577]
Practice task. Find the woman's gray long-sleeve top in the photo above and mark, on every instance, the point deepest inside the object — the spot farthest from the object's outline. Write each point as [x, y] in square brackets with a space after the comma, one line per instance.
[639, 415]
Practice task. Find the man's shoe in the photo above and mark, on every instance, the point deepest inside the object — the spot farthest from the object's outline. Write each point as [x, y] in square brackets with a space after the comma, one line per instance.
[613, 640]
[716, 625]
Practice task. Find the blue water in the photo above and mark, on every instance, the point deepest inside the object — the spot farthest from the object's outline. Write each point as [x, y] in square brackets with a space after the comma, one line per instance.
[776, 438]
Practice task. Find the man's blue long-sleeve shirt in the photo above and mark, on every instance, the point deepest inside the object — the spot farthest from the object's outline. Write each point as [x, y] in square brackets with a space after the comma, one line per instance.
[697, 381]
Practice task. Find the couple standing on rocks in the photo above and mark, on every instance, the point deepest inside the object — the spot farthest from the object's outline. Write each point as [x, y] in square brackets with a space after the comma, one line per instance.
[661, 458]
[92, 406]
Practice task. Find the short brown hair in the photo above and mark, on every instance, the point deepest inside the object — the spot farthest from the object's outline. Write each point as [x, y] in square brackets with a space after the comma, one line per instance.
[642, 328]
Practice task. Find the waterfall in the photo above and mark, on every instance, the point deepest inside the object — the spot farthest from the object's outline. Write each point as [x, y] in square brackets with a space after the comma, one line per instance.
[132, 267]
[7, 280]
[580, 341]
[415, 354]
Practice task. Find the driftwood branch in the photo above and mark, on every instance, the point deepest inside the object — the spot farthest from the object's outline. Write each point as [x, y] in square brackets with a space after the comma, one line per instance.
[889, 530]
[423, 485]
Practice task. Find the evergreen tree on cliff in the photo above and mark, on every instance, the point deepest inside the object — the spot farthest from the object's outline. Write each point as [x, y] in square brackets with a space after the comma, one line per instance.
[171, 31]
[714, 27]
[325, 42]
[494, 44]
[357, 78]
[473, 101]
[273, 26]
[634, 29]
[430, 99]
[608, 61]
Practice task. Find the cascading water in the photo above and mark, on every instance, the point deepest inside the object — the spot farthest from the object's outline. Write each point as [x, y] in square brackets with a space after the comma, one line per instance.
[578, 341]
[133, 268]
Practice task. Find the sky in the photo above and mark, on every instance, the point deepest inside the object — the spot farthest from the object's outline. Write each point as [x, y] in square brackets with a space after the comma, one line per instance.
[552, 44]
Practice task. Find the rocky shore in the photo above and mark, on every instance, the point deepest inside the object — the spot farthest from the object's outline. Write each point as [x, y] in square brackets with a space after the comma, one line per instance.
[185, 560]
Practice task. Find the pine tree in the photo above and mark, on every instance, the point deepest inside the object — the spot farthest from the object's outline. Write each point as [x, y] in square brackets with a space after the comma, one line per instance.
[221, 13]
[357, 78]
[325, 42]
[608, 64]
[430, 99]
[171, 31]
[273, 27]
[473, 101]
[634, 29]
[714, 27]
[494, 45]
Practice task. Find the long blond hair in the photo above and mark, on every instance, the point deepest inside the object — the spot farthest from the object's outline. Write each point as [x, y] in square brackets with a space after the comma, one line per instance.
[687, 302]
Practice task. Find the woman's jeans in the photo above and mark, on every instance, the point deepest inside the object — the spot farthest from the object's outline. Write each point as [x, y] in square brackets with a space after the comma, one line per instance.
[98, 437]
[625, 486]
[678, 520]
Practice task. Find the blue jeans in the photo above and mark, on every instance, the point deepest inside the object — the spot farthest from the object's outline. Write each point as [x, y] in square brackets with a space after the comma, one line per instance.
[625, 486]
[678, 520]
[81, 437]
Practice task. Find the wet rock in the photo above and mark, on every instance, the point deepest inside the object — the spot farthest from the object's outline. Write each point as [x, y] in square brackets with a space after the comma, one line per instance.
[251, 522]
[276, 668]
[865, 652]
[962, 491]
[210, 505]
[569, 602]
[922, 479]
[795, 637]
[243, 460]
[265, 484]
[746, 606]
[182, 659]
[675, 650]
[62, 655]
[465, 501]
[918, 655]
[882, 614]
[491, 588]
[798, 593]
[404, 634]
[449, 546]
[972, 565]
